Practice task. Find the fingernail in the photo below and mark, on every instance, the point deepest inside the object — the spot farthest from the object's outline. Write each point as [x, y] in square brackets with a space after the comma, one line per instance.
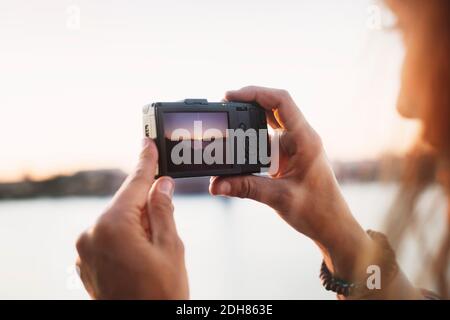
[145, 142]
[166, 187]
[224, 188]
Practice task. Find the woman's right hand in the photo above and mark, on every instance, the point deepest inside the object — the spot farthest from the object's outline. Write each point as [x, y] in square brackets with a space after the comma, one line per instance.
[134, 251]
[304, 190]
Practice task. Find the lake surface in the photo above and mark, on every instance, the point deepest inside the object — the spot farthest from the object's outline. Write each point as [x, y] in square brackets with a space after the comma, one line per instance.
[234, 248]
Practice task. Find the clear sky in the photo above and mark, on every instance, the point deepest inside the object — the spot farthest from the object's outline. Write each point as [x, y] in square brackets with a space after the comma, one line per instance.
[71, 93]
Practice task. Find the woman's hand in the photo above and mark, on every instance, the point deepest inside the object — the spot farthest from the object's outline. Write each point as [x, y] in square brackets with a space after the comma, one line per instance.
[304, 191]
[133, 251]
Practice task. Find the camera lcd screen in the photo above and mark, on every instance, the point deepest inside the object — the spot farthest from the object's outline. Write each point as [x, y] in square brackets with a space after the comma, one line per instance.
[188, 137]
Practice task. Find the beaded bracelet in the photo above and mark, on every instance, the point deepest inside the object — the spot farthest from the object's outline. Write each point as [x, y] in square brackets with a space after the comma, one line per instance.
[387, 261]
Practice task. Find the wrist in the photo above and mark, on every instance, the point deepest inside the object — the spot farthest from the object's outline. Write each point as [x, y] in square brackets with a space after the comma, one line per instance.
[383, 257]
[346, 249]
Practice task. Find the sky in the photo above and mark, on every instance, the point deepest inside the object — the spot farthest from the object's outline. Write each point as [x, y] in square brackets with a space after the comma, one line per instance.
[74, 74]
[195, 125]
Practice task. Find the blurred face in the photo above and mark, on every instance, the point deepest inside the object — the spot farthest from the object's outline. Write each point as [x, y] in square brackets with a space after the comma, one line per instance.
[424, 92]
[408, 103]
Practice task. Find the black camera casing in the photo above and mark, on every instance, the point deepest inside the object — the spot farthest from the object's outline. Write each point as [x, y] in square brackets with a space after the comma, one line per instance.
[240, 116]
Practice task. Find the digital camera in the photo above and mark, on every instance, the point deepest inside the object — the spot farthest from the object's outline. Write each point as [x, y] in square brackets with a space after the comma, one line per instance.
[200, 138]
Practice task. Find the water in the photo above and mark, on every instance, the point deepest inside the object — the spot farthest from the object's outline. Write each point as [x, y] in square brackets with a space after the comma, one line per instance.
[234, 249]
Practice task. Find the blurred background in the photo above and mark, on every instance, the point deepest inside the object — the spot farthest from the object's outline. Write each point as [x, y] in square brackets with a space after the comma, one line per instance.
[75, 73]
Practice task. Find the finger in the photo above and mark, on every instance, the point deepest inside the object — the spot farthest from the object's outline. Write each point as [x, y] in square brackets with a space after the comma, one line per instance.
[85, 278]
[278, 101]
[146, 224]
[160, 211]
[135, 189]
[261, 189]
[269, 116]
[272, 121]
[84, 254]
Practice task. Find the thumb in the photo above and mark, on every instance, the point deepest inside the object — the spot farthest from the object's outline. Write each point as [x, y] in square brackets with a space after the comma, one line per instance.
[136, 187]
[261, 189]
[160, 211]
